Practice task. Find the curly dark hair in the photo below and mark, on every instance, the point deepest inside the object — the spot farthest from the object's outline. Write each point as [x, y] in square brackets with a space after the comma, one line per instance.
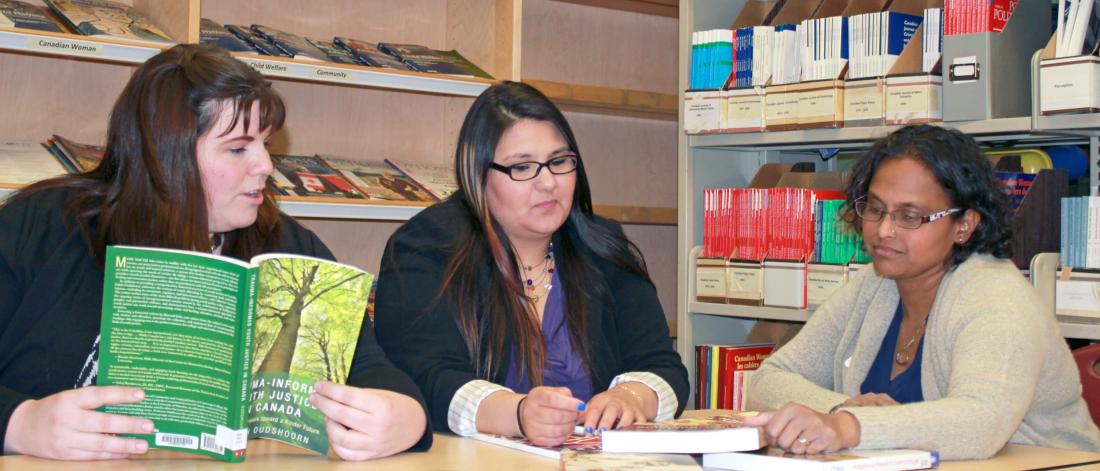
[964, 173]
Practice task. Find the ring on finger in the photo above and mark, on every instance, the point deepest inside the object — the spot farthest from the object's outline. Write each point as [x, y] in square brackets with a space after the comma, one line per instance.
[803, 441]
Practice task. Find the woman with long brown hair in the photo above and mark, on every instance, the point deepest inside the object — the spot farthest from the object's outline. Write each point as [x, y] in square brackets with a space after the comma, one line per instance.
[515, 309]
[185, 168]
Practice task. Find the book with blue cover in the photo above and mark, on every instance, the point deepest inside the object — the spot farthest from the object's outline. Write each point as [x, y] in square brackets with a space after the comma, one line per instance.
[369, 54]
[424, 59]
[258, 43]
[335, 53]
[212, 32]
[19, 14]
[293, 45]
[106, 18]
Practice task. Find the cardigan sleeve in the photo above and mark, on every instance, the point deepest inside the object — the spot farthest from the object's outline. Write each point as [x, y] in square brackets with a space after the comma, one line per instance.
[414, 325]
[997, 347]
[803, 370]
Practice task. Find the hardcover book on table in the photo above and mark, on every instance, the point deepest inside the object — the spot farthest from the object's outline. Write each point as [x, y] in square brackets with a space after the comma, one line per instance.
[26, 162]
[870, 460]
[585, 460]
[227, 350]
[19, 14]
[714, 434]
[369, 54]
[308, 175]
[437, 180]
[212, 32]
[378, 180]
[578, 441]
[105, 18]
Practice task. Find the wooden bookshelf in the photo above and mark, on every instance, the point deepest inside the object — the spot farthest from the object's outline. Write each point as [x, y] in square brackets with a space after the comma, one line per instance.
[669, 8]
[638, 214]
[607, 100]
[135, 52]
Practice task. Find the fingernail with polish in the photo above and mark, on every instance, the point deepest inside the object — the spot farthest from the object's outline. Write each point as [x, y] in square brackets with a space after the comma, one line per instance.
[602, 430]
[580, 406]
[588, 430]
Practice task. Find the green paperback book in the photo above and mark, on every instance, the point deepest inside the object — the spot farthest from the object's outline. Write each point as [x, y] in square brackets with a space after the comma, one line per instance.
[226, 350]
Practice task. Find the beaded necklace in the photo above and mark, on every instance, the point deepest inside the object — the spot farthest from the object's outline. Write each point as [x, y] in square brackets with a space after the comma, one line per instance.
[542, 278]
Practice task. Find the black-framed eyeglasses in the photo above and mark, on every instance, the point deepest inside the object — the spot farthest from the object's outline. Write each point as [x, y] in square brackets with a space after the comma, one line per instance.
[524, 171]
[903, 218]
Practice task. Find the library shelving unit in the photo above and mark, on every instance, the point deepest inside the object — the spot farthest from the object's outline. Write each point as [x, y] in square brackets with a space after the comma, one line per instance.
[65, 84]
[731, 160]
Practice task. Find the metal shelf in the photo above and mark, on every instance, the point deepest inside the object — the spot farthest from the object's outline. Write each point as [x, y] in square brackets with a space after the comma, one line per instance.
[1080, 331]
[750, 312]
[994, 129]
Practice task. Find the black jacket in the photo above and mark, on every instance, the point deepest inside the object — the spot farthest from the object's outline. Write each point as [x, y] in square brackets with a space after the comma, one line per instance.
[417, 328]
[51, 292]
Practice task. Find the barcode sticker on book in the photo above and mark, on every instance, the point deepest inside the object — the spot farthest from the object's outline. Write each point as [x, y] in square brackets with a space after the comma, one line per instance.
[233, 439]
[176, 441]
[210, 443]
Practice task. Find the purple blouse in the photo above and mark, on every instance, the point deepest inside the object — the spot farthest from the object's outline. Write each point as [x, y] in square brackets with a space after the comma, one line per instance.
[564, 366]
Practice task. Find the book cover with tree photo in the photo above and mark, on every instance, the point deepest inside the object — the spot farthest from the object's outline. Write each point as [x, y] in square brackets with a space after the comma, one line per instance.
[227, 350]
[308, 317]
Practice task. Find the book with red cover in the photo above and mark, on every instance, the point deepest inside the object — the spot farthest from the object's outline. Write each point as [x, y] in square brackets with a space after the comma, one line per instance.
[308, 175]
[736, 362]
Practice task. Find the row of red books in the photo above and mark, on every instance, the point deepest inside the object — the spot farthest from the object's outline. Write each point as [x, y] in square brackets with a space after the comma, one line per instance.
[722, 373]
[977, 16]
[759, 223]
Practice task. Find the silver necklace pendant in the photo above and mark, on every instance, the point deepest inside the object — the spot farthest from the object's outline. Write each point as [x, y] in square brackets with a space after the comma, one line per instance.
[902, 357]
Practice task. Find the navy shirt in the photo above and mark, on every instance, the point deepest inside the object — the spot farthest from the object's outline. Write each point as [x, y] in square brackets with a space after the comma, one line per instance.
[905, 388]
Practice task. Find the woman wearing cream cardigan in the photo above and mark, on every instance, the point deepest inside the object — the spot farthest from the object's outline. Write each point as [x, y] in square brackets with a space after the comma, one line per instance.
[943, 345]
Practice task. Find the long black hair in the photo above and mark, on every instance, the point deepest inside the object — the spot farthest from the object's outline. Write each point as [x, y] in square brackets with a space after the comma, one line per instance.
[964, 173]
[509, 318]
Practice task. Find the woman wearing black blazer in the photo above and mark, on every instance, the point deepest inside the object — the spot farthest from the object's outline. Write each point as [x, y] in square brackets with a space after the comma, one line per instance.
[514, 308]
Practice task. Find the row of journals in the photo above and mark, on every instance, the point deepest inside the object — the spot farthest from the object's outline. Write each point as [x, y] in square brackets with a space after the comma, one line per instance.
[1080, 232]
[723, 372]
[896, 100]
[814, 49]
[977, 16]
[797, 224]
[787, 284]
